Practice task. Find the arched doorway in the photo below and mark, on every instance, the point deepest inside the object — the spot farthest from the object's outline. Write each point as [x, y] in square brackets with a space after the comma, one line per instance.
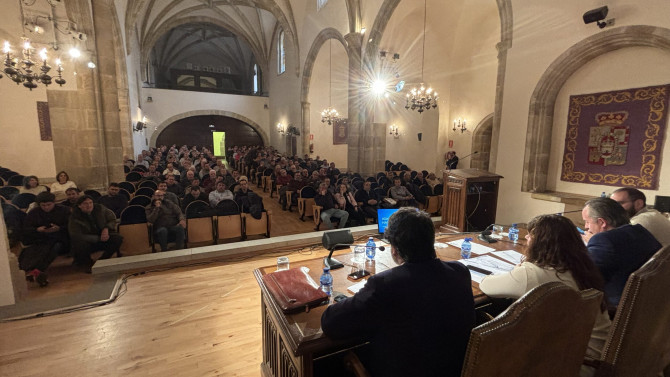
[199, 129]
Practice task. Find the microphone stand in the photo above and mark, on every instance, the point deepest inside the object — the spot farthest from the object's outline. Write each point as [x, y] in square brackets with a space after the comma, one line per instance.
[331, 262]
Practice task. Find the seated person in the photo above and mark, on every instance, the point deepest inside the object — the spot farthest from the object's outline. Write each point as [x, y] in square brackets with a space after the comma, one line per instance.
[330, 207]
[152, 172]
[45, 235]
[401, 194]
[194, 194]
[170, 170]
[209, 182]
[345, 200]
[219, 194]
[294, 186]
[113, 200]
[31, 185]
[369, 199]
[432, 180]
[92, 228]
[187, 180]
[555, 252]
[417, 316]
[635, 203]
[167, 220]
[62, 183]
[168, 195]
[247, 200]
[616, 247]
[419, 180]
[72, 195]
[173, 186]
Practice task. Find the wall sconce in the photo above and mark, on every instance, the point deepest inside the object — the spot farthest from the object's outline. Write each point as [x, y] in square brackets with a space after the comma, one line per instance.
[394, 131]
[460, 125]
[280, 128]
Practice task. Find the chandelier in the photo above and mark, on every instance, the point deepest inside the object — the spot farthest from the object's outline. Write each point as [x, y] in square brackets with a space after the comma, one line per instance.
[27, 71]
[422, 98]
[330, 115]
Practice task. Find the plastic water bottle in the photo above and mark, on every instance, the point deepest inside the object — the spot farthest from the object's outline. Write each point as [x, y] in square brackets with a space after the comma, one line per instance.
[326, 281]
[513, 233]
[370, 249]
[466, 248]
[603, 195]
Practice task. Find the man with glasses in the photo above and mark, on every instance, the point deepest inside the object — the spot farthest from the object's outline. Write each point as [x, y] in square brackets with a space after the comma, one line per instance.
[635, 204]
[167, 219]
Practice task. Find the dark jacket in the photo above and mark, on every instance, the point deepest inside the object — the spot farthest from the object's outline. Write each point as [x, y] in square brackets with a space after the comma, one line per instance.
[168, 214]
[36, 218]
[326, 201]
[364, 196]
[87, 228]
[116, 203]
[619, 252]
[417, 317]
[189, 198]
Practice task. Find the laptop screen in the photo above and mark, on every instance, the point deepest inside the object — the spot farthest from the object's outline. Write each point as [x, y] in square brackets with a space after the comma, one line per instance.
[383, 215]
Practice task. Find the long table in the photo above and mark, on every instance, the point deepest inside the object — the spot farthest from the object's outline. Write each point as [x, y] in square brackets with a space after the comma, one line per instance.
[292, 342]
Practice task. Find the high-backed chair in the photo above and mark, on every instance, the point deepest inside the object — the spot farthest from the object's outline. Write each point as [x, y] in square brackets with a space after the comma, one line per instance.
[199, 223]
[128, 186]
[254, 226]
[432, 201]
[148, 183]
[15, 180]
[125, 193]
[23, 200]
[306, 201]
[228, 220]
[639, 339]
[544, 333]
[135, 230]
[146, 191]
[9, 192]
[95, 194]
[133, 176]
[140, 200]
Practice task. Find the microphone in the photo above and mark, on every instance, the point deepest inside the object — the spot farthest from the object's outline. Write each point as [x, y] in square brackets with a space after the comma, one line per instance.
[466, 156]
[333, 263]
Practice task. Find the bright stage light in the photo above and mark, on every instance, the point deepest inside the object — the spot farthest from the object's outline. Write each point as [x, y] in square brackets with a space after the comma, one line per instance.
[379, 87]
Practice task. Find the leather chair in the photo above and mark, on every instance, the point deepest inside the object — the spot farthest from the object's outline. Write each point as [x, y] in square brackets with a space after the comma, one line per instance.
[639, 339]
[544, 333]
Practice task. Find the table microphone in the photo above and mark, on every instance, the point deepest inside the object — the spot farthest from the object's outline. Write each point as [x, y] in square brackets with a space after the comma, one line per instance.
[333, 263]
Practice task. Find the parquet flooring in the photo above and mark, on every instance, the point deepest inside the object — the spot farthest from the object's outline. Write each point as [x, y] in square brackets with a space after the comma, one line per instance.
[200, 320]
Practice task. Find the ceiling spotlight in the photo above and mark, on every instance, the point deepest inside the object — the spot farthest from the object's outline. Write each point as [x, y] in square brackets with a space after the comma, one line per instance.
[363, 29]
[74, 52]
[91, 65]
[378, 87]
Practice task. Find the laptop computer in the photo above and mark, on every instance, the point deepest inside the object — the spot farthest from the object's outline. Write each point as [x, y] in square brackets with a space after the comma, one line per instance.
[383, 215]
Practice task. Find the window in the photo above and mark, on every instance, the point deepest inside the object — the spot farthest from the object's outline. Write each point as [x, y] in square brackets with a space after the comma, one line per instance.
[281, 54]
[256, 79]
[320, 4]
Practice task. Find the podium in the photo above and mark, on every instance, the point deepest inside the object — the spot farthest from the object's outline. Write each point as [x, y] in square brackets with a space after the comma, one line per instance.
[470, 198]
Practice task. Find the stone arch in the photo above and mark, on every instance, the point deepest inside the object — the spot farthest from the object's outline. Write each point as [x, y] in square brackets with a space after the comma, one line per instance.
[481, 142]
[165, 123]
[320, 39]
[542, 102]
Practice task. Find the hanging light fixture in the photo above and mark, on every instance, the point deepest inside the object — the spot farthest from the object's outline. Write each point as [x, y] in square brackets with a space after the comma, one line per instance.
[24, 70]
[422, 98]
[330, 115]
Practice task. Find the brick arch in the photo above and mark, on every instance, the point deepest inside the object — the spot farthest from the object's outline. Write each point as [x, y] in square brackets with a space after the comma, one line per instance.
[165, 123]
[542, 102]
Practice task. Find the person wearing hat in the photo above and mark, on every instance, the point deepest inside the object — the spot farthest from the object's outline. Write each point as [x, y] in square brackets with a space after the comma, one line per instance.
[92, 228]
[45, 233]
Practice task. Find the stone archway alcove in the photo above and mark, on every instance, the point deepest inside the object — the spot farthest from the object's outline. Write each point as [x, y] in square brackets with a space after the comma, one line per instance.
[542, 102]
[167, 122]
[481, 143]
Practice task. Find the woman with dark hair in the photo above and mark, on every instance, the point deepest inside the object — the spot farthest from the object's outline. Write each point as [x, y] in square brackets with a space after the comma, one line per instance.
[31, 185]
[555, 252]
[61, 185]
[346, 201]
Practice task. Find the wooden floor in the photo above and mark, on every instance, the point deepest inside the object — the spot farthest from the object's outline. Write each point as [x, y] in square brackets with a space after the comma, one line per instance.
[190, 321]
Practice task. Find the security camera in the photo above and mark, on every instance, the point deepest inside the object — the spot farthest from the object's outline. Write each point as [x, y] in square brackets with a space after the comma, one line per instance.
[596, 15]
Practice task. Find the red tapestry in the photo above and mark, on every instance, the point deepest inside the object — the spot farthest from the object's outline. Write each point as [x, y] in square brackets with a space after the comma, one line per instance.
[616, 138]
[340, 131]
[44, 121]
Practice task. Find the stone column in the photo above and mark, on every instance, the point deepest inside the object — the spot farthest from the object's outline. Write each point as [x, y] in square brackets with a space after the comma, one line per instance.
[502, 48]
[357, 158]
[306, 129]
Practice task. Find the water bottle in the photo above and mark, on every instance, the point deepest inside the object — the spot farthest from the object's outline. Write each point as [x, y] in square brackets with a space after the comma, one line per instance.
[513, 233]
[326, 281]
[603, 195]
[466, 248]
[370, 249]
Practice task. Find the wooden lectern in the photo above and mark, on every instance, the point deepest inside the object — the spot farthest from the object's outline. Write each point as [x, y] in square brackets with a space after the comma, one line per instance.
[470, 198]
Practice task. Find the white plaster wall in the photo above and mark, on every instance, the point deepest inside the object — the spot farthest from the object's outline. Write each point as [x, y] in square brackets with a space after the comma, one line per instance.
[169, 103]
[616, 70]
[6, 283]
[541, 33]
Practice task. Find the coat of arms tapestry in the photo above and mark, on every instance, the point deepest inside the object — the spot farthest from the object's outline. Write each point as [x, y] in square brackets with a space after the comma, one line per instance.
[616, 138]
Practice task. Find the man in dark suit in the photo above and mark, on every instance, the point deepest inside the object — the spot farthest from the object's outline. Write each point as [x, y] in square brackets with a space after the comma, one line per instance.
[418, 315]
[616, 247]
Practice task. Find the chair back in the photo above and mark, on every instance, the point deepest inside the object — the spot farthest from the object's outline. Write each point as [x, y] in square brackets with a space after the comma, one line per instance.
[125, 193]
[197, 209]
[228, 220]
[307, 192]
[358, 184]
[254, 226]
[227, 207]
[23, 200]
[413, 174]
[146, 191]
[639, 340]
[149, 183]
[133, 176]
[426, 190]
[543, 333]
[662, 203]
[141, 168]
[9, 192]
[7, 174]
[133, 214]
[93, 194]
[438, 189]
[127, 186]
[140, 200]
[15, 180]
[381, 193]
[126, 169]
[136, 239]
[373, 185]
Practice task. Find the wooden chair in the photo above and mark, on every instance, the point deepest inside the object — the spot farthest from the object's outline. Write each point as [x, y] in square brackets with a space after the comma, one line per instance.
[253, 227]
[316, 214]
[544, 333]
[305, 201]
[639, 339]
[135, 230]
[229, 223]
[199, 224]
[267, 180]
[433, 201]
